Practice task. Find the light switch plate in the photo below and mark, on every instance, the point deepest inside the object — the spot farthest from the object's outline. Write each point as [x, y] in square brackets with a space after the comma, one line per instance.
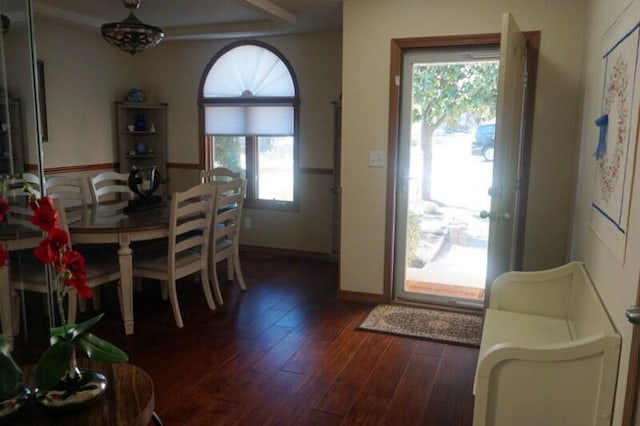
[376, 158]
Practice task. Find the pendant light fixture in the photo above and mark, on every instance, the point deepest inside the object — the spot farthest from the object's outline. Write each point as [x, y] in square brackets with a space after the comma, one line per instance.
[131, 35]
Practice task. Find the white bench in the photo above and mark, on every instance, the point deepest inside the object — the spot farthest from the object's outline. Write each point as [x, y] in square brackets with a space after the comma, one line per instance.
[549, 352]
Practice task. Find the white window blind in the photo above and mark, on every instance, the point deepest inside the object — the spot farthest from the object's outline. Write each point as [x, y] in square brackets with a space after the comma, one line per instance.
[249, 120]
[248, 70]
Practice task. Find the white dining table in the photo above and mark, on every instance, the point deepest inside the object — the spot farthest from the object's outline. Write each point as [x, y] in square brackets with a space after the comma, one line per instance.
[90, 225]
[13, 237]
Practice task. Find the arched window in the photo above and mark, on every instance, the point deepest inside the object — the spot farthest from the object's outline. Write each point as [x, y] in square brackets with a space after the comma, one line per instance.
[249, 108]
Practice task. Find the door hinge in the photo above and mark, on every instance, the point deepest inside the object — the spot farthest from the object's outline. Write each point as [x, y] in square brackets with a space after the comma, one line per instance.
[398, 80]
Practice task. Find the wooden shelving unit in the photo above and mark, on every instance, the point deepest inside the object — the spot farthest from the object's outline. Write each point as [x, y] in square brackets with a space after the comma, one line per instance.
[145, 144]
[11, 139]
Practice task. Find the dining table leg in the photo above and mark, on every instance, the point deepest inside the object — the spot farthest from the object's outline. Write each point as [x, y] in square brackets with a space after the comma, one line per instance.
[6, 315]
[126, 281]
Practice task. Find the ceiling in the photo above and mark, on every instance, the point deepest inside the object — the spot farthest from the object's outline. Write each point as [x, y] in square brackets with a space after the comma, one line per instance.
[198, 19]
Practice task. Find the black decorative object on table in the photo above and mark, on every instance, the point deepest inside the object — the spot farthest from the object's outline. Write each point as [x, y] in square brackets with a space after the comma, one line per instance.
[77, 389]
[144, 182]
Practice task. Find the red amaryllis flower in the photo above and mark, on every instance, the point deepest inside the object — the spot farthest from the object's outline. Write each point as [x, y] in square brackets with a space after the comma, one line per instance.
[49, 248]
[35, 203]
[45, 216]
[73, 262]
[4, 256]
[4, 208]
[80, 285]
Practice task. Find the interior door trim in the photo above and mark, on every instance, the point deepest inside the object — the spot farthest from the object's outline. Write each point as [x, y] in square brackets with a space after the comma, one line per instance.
[398, 45]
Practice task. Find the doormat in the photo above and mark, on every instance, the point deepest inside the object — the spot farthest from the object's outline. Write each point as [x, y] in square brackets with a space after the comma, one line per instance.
[429, 324]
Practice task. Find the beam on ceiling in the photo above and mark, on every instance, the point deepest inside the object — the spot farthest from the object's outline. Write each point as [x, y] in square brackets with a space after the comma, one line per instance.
[272, 9]
[58, 14]
[201, 32]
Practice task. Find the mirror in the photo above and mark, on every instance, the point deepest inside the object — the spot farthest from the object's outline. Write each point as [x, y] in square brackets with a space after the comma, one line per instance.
[20, 156]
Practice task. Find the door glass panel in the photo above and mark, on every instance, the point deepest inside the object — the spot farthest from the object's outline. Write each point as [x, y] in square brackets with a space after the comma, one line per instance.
[446, 169]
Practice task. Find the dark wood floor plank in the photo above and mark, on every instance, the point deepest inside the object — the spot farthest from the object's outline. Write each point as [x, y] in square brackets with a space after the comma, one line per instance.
[409, 401]
[323, 373]
[345, 389]
[453, 387]
[201, 409]
[264, 407]
[281, 352]
[390, 367]
[367, 410]
[307, 358]
[430, 348]
[223, 380]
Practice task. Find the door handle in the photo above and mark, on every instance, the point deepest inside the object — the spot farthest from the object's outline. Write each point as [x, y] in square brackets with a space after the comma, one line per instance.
[494, 216]
[633, 315]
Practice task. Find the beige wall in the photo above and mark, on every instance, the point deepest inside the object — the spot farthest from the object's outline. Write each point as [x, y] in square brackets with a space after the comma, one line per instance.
[616, 282]
[84, 76]
[369, 25]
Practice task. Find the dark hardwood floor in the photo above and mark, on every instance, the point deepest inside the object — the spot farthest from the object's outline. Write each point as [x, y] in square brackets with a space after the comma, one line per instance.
[286, 351]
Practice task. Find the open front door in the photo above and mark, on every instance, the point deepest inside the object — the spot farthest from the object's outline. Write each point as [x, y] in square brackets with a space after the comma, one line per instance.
[507, 158]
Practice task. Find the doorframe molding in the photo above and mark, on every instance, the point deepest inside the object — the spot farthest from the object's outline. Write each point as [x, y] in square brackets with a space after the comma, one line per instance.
[398, 46]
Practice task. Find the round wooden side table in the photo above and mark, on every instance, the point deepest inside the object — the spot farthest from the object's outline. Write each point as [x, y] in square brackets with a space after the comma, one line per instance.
[128, 401]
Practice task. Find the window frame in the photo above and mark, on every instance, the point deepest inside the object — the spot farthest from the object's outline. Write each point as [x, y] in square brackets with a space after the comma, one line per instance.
[251, 141]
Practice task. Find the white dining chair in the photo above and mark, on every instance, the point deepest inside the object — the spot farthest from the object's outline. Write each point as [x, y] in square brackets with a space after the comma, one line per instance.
[15, 186]
[225, 233]
[27, 274]
[109, 186]
[14, 192]
[186, 250]
[218, 174]
[69, 190]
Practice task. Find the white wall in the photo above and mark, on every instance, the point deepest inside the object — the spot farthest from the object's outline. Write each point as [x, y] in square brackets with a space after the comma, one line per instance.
[616, 282]
[84, 76]
[369, 25]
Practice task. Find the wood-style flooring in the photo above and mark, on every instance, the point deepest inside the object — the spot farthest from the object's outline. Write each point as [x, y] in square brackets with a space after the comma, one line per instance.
[284, 352]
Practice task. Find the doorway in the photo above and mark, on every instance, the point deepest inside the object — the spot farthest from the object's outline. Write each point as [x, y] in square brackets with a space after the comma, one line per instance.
[519, 53]
[445, 168]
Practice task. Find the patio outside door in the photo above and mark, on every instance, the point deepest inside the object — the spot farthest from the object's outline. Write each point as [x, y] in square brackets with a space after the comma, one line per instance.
[457, 191]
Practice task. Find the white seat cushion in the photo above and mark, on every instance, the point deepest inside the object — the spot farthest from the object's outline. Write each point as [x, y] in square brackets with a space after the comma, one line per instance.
[521, 329]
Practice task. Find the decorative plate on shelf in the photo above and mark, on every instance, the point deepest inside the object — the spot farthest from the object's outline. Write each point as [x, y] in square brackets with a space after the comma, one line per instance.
[135, 95]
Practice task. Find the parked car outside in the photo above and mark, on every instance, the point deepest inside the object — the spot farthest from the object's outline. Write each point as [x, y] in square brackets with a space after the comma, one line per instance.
[484, 141]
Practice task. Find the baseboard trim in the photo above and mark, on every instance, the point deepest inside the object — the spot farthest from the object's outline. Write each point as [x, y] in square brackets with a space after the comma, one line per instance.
[356, 296]
[274, 251]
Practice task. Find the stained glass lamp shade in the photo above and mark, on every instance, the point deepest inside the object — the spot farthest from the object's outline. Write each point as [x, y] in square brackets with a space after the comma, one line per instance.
[131, 35]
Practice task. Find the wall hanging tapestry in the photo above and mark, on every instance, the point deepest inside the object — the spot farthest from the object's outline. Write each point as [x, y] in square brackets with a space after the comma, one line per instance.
[616, 149]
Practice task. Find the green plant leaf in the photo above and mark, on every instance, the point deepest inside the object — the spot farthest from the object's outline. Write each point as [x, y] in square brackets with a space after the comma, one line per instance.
[99, 349]
[71, 331]
[83, 327]
[52, 365]
[9, 374]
